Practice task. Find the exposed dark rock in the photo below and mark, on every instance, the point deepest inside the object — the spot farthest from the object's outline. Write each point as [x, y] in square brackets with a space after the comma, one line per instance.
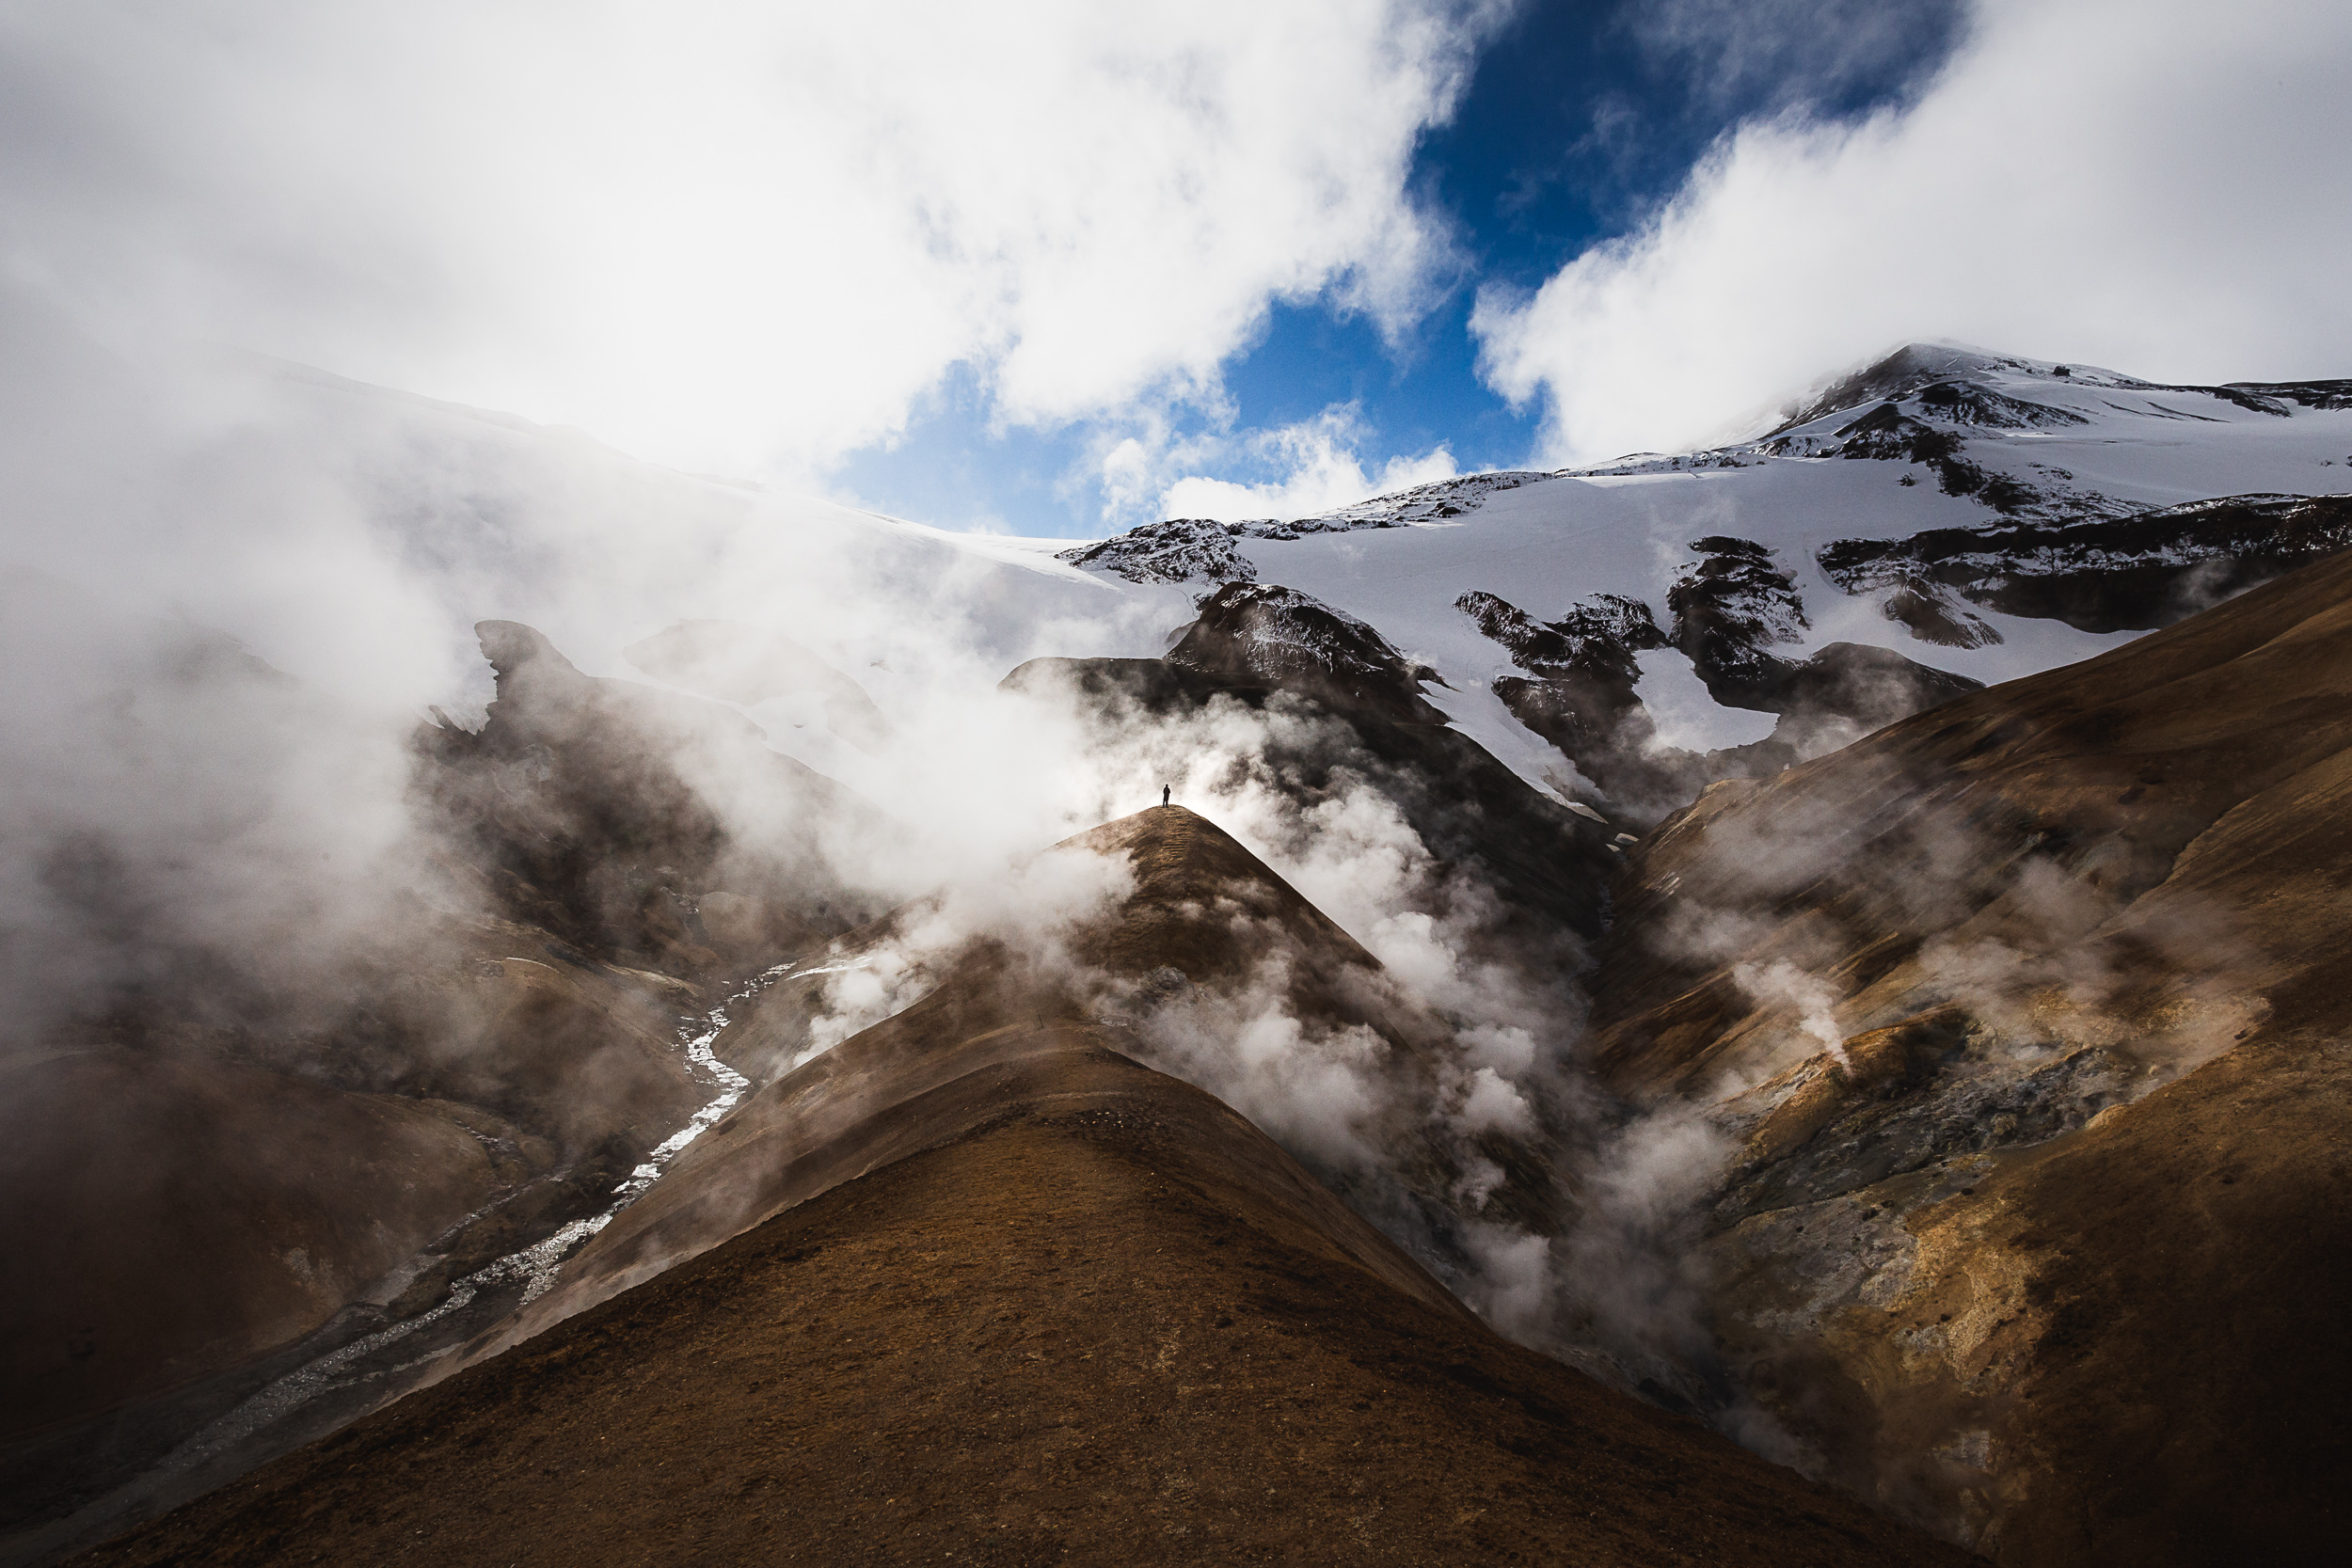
[1183, 549]
[1925, 608]
[1583, 696]
[2311, 394]
[1966, 403]
[1265, 634]
[2108, 574]
[1728, 607]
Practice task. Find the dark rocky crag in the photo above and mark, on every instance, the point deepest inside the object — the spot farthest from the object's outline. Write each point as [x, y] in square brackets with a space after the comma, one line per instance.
[1729, 609]
[2123, 574]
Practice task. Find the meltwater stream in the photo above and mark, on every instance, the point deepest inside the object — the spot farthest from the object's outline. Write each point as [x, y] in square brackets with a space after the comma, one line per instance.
[535, 1266]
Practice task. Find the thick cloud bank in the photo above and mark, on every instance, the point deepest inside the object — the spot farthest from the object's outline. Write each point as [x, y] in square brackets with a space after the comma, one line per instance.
[733, 236]
[2157, 187]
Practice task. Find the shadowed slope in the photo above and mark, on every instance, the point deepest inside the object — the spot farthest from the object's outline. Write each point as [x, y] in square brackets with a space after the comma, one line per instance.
[2053, 1252]
[1071, 1311]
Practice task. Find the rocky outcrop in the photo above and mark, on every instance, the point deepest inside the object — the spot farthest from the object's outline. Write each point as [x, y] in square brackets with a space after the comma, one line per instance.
[2120, 574]
[1263, 634]
[1546, 864]
[1730, 608]
[1183, 549]
[1583, 697]
[1201, 550]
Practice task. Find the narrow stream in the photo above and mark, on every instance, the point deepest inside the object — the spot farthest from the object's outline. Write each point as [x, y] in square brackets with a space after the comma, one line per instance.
[535, 1266]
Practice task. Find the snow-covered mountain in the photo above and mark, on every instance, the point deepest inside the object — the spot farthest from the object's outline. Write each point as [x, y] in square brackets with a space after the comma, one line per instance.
[1958, 513]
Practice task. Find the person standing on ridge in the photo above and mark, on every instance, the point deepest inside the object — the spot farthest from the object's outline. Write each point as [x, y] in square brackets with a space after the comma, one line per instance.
[1163, 795]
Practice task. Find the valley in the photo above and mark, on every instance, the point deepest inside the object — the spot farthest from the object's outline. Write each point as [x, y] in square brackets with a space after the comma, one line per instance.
[1780, 1001]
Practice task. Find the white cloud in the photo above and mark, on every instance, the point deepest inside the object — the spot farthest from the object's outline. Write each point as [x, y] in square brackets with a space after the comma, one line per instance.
[1315, 466]
[2157, 187]
[727, 234]
[1790, 52]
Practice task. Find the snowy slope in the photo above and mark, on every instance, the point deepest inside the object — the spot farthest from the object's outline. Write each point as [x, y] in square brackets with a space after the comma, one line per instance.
[2005, 447]
[352, 535]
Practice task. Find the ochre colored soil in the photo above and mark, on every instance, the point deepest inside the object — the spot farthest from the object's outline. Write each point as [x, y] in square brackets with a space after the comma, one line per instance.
[1082, 1333]
[2139, 1320]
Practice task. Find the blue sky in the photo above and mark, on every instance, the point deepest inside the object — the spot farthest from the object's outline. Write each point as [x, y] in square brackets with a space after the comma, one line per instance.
[1051, 265]
[1579, 118]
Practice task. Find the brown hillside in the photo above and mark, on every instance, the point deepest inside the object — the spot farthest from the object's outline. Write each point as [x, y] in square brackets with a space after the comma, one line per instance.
[1202, 905]
[2056, 1258]
[1093, 1315]
[973, 1284]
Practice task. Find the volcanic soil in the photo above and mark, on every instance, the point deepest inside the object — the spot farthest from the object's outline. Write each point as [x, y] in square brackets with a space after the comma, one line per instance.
[1068, 1311]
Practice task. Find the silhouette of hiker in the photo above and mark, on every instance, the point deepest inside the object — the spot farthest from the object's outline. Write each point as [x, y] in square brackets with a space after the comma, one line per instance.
[1163, 795]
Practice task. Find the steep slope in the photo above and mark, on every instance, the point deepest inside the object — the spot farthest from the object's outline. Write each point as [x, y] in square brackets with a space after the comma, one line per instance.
[2023, 1022]
[1201, 917]
[996, 1291]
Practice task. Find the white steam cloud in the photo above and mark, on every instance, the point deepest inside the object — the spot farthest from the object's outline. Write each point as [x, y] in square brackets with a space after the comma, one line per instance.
[2155, 187]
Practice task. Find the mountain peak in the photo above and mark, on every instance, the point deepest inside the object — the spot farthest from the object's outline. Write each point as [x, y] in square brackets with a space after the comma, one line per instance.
[1893, 374]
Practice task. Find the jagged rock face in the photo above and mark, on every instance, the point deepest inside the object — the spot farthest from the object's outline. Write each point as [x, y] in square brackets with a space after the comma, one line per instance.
[1583, 697]
[1966, 402]
[2022, 1023]
[1183, 549]
[1267, 634]
[1594, 641]
[1546, 864]
[1729, 608]
[2109, 574]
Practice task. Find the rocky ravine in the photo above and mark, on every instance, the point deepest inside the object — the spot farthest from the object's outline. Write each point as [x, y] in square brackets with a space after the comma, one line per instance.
[214, 1185]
